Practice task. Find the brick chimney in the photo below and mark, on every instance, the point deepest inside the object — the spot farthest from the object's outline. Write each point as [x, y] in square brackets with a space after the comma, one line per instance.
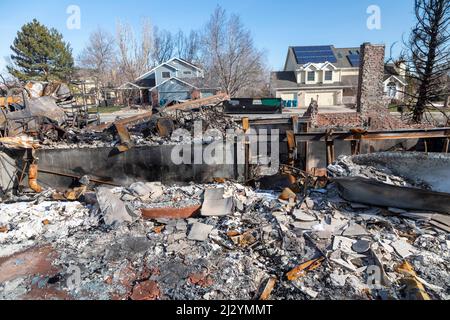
[371, 73]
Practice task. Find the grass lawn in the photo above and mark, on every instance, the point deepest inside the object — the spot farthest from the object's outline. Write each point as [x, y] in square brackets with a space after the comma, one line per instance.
[109, 109]
[393, 108]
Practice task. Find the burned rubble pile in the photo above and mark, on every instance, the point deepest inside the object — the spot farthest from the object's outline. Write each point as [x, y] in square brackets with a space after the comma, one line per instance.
[377, 119]
[35, 108]
[307, 238]
[220, 241]
[161, 128]
[345, 166]
[49, 113]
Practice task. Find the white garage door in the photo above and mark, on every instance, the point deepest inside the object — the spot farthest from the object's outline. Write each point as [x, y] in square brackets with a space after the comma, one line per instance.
[325, 98]
[288, 96]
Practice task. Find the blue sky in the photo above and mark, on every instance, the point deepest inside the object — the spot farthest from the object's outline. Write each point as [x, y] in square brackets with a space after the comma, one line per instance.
[274, 24]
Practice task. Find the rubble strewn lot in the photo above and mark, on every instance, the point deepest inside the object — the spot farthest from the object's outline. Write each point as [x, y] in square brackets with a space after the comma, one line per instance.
[314, 247]
[356, 234]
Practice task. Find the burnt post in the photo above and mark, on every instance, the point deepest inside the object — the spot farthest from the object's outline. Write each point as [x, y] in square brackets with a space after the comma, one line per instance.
[246, 128]
[329, 142]
[304, 128]
[446, 145]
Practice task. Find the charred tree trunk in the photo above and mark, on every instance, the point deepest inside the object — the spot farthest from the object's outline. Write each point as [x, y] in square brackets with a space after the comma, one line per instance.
[429, 54]
[428, 73]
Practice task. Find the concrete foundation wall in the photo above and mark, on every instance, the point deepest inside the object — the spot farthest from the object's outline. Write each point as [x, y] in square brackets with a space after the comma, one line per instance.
[148, 163]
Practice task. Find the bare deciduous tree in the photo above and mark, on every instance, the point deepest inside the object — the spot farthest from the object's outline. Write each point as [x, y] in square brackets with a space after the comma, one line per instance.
[188, 46]
[429, 54]
[163, 46]
[229, 55]
[98, 56]
[134, 54]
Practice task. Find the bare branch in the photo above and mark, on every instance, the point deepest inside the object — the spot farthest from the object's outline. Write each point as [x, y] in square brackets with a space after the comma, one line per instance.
[163, 47]
[230, 57]
[134, 53]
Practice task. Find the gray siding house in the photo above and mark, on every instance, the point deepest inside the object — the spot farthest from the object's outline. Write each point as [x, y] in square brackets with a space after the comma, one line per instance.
[173, 80]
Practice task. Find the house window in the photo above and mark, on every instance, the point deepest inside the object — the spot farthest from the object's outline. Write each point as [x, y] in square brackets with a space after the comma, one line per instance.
[392, 90]
[187, 72]
[166, 75]
[311, 75]
[328, 75]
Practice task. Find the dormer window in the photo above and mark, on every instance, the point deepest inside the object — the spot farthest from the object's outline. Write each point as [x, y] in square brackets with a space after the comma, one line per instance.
[166, 75]
[311, 76]
[392, 90]
[328, 75]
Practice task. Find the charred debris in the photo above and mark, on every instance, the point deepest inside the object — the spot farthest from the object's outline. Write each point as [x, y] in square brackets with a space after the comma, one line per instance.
[365, 226]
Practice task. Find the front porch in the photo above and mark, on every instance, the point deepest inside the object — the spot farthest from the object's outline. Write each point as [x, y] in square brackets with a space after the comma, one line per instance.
[133, 94]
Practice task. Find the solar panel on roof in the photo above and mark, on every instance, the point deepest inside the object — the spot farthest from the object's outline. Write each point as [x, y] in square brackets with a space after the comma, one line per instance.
[314, 51]
[354, 52]
[312, 48]
[314, 54]
[354, 60]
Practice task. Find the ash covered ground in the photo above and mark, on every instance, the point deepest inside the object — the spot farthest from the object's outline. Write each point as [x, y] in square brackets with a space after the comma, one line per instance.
[317, 247]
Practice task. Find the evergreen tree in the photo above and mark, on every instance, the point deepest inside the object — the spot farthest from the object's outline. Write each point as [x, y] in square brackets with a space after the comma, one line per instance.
[40, 54]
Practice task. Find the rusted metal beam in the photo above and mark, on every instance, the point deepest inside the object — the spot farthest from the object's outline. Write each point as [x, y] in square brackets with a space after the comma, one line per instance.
[286, 121]
[292, 147]
[245, 124]
[121, 127]
[135, 119]
[330, 152]
[192, 104]
[291, 140]
[376, 135]
[68, 175]
[123, 122]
